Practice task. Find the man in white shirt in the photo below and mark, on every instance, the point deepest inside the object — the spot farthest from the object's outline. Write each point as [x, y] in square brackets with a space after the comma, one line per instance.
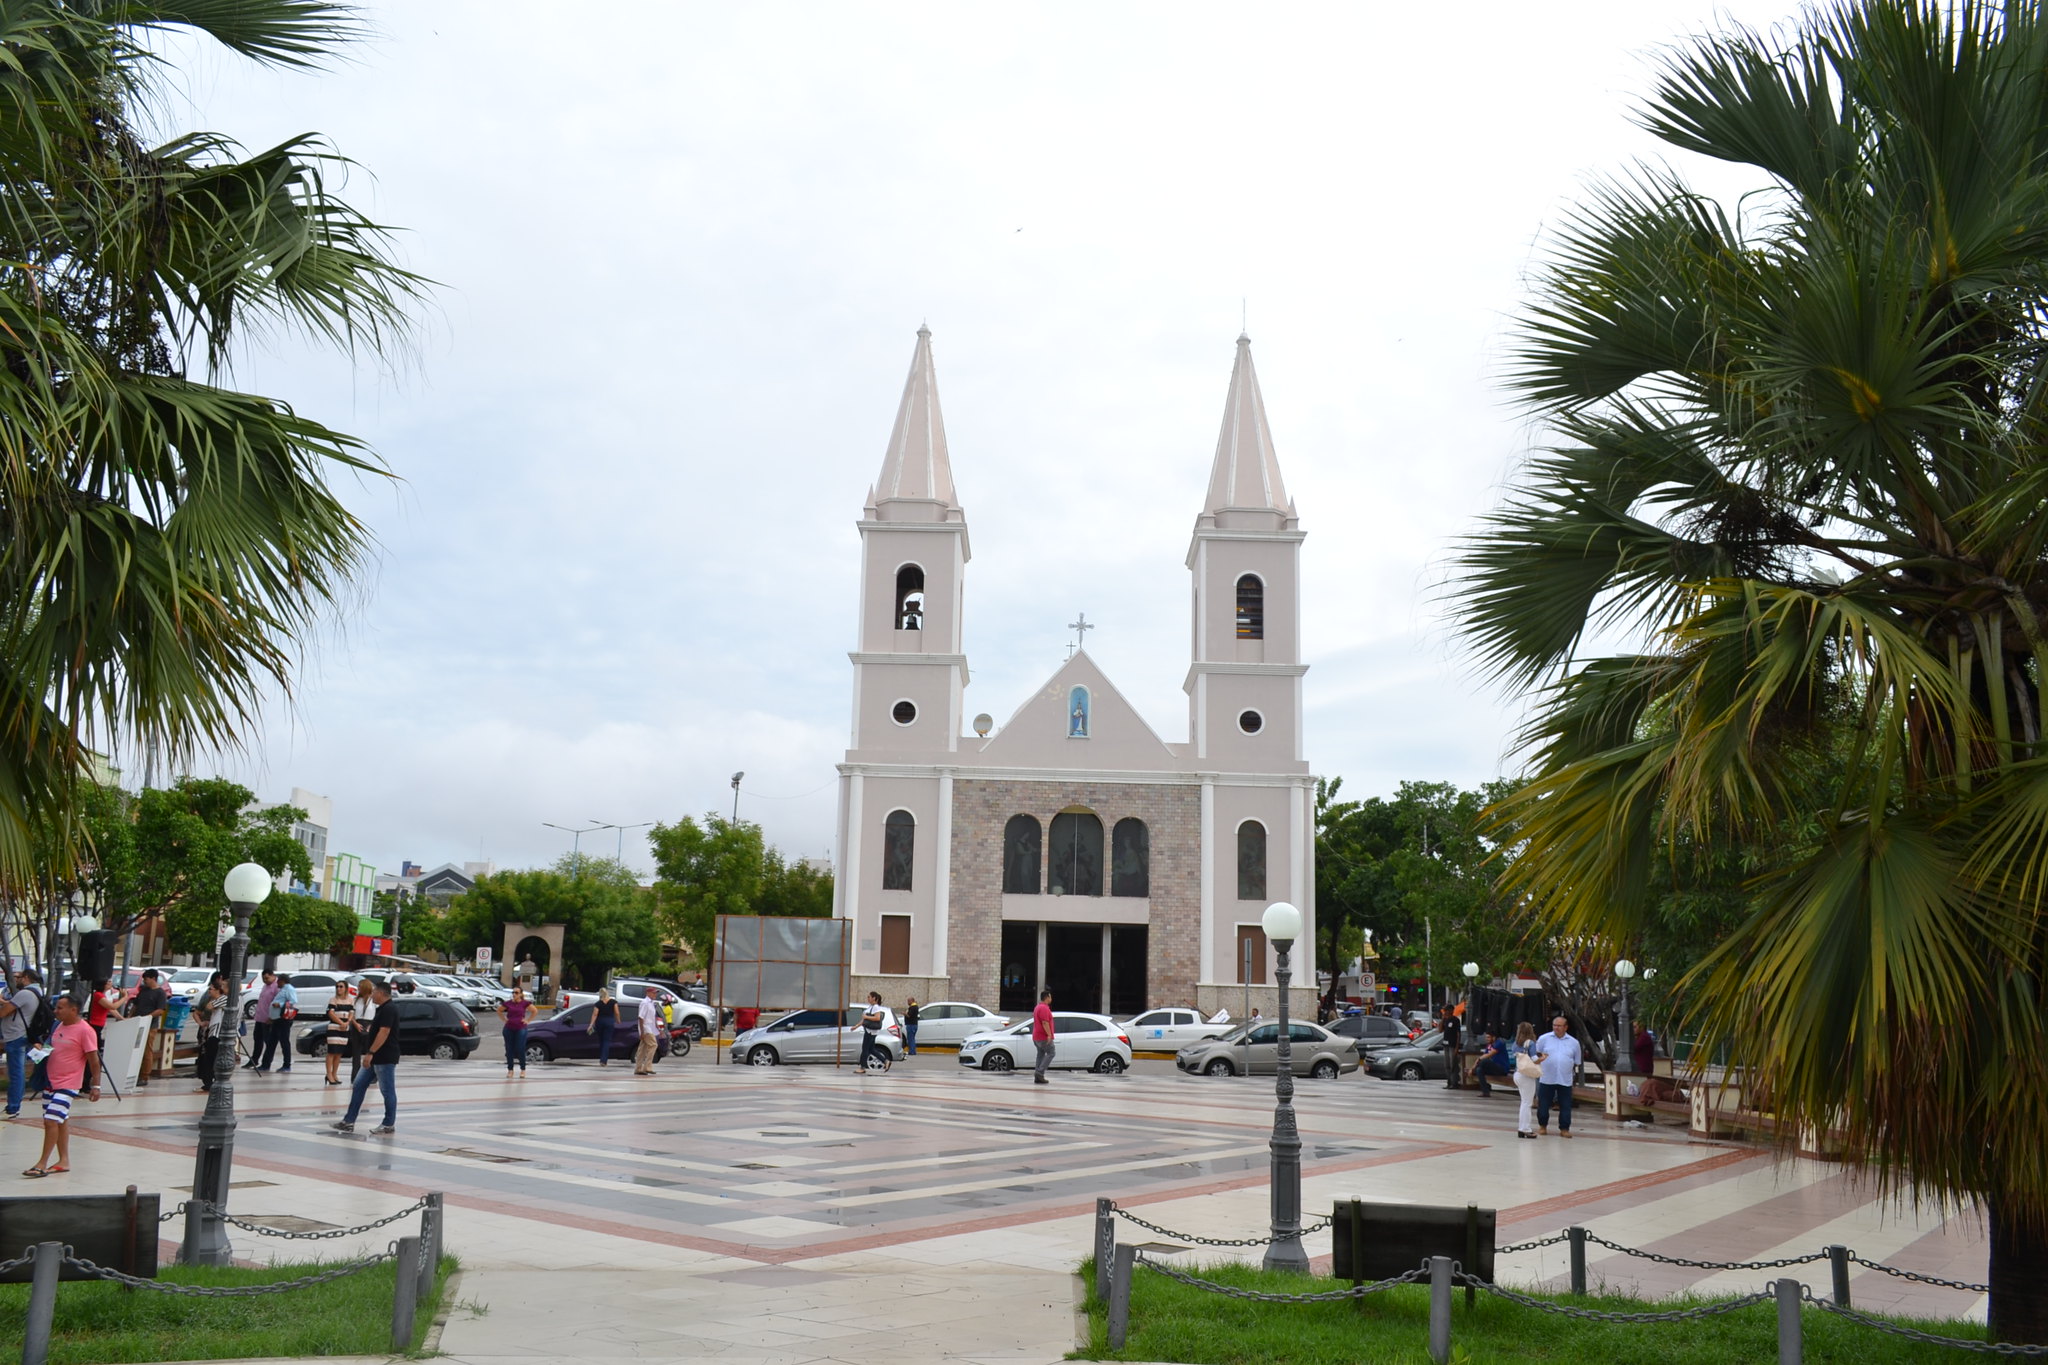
[1560, 1056]
[650, 1035]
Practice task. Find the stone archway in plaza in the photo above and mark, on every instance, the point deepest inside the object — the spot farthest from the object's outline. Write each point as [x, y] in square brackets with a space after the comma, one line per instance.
[542, 942]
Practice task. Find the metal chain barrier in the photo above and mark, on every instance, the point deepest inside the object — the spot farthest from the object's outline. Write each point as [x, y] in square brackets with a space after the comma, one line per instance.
[1124, 1213]
[1531, 1246]
[262, 1231]
[1259, 1296]
[1992, 1348]
[1918, 1278]
[207, 1291]
[1705, 1310]
[1706, 1265]
[7, 1267]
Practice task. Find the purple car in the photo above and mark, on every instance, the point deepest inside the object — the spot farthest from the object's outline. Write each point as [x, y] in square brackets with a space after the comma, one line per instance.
[564, 1036]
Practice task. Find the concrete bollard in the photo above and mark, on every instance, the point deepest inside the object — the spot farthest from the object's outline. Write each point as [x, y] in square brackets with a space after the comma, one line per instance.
[1578, 1241]
[1105, 1244]
[1838, 1262]
[405, 1293]
[1120, 1296]
[1791, 1328]
[1440, 1309]
[430, 1217]
[42, 1302]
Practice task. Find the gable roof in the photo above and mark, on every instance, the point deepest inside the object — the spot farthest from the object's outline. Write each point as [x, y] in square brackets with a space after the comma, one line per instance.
[1035, 736]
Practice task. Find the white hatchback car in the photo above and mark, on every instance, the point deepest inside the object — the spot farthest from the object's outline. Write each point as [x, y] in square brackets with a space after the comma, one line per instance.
[949, 1023]
[1081, 1042]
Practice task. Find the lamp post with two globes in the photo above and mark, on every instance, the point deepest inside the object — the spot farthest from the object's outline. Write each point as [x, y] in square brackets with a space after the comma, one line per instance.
[206, 1232]
[1282, 923]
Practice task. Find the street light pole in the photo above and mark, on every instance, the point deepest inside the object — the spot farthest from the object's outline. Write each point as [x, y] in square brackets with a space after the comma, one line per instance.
[620, 856]
[1282, 923]
[1624, 1055]
[206, 1231]
[576, 844]
[736, 797]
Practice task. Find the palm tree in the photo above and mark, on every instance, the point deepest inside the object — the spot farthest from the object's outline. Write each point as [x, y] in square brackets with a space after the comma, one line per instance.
[1793, 523]
[165, 540]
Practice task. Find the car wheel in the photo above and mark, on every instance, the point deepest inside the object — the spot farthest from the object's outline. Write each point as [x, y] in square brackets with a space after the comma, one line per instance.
[998, 1061]
[1325, 1070]
[1409, 1071]
[1220, 1067]
[446, 1051]
[538, 1053]
[763, 1055]
[1108, 1064]
[693, 1029]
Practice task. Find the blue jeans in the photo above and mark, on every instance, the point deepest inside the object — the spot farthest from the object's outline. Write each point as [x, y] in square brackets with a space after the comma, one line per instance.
[910, 1040]
[386, 1077]
[604, 1041]
[1545, 1093]
[515, 1049]
[17, 1072]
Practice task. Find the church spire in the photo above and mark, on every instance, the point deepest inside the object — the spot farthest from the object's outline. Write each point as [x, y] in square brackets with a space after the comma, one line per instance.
[1246, 475]
[916, 467]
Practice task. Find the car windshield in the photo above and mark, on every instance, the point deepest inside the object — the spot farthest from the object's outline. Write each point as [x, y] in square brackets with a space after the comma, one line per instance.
[200, 974]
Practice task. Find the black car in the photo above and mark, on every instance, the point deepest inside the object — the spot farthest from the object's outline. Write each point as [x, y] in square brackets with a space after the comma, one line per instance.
[426, 1028]
[1373, 1031]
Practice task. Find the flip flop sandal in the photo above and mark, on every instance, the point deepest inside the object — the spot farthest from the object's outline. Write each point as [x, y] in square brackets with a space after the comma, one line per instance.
[56, 1170]
[35, 1173]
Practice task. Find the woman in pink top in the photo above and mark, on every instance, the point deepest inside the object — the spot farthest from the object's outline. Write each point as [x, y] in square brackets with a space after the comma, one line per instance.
[74, 1066]
[515, 1030]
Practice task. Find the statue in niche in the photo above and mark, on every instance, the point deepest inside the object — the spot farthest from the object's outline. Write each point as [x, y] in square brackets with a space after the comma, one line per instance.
[1077, 713]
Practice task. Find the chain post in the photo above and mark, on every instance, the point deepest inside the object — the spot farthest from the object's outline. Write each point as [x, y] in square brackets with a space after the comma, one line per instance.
[1105, 1245]
[1791, 1346]
[405, 1294]
[424, 1281]
[1120, 1296]
[437, 1205]
[1838, 1262]
[1577, 1236]
[1440, 1309]
[42, 1302]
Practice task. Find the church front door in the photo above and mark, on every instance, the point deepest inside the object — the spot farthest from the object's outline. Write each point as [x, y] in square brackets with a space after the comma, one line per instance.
[1097, 968]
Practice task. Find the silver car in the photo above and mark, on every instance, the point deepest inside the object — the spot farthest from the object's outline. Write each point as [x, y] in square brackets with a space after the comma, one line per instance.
[815, 1036]
[1254, 1046]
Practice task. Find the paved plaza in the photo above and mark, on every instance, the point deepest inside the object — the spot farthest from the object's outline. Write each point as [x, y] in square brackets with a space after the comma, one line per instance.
[809, 1214]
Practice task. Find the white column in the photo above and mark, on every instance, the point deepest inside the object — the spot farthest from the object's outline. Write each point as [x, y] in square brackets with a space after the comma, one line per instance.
[1208, 848]
[1105, 969]
[942, 904]
[1304, 884]
[854, 831]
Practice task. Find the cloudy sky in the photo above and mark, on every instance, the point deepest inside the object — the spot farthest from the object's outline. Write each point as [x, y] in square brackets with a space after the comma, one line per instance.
[682, 251]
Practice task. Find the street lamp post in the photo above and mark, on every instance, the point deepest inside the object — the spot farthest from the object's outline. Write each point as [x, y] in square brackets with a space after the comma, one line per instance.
[206, 1232]
[736, 796]
[1282, 923]
[620, 856]
[1624, 1055]
[575, 844]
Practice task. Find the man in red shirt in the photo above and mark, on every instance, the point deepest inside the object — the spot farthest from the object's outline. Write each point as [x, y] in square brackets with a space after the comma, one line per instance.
[1041, 1035]
[74, 1061]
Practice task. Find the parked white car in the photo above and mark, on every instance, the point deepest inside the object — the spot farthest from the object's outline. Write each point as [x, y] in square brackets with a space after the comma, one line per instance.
[188, 982]
[948, 1023]
[1081, 1042]
[1170, 1030]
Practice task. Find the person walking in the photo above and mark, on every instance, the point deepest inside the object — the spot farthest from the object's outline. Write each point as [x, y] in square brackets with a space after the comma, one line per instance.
[206, 1019]
[649, 1019]
[604, 1022]
[18, 1006]
[871, 1034]
[341, 1020]
[259, 1035]
[1454, 1078]
[1525, 1083]
[515, 1031]
[284, 1010]
[1560, 1056]
[381, 1066]
[910, 1028]
[150, 1002]
[1041, 1037]
[1495, 1062]
[74, 1069]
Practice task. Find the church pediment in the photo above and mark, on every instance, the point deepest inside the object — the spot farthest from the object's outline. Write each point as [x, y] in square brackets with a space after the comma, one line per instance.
[1077, 719]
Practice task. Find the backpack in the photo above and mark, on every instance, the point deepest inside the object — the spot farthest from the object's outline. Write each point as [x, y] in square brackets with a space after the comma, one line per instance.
[44, 1021]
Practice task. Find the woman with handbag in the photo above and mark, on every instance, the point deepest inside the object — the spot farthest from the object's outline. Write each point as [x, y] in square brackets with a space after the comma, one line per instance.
[604, 1022]
[1527, 1069]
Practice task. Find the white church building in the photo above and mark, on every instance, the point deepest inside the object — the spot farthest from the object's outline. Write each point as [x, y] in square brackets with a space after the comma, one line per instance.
[1071, 846]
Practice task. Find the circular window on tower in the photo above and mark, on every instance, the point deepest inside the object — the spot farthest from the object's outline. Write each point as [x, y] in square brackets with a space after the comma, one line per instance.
[1251, 722]
[903, 712]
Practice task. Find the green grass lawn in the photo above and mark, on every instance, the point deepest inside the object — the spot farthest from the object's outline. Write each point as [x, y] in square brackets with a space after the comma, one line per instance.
[99, 1323]
[1176, 1322]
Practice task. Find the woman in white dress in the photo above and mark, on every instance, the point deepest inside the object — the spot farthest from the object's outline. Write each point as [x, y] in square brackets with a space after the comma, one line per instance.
[1525, 1083]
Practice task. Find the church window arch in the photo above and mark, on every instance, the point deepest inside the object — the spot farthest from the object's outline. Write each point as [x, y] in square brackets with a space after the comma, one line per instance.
[1080, 707]
[899, 849]
[1130, 856]
[1023, 854]
[1074, 854]
[1251, 608]
[1251, 861]
[910, 597]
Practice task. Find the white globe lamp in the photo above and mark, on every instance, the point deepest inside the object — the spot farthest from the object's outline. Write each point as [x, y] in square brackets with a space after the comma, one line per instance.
[1282, 922]
[248, 883]
[1625, 969]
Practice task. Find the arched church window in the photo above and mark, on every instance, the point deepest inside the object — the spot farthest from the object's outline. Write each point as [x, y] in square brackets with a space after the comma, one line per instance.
[899, 843]
[1074, 864]
[1251, 608]
[1130, 852]
[910, 597]
[1022, 854]
[1078, 703]
[1251, 861]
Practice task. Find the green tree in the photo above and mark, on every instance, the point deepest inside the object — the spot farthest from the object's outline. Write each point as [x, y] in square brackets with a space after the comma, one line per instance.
[607, 917]
[165, 541]
[792, 887]
[1795, 506]
[704, 871]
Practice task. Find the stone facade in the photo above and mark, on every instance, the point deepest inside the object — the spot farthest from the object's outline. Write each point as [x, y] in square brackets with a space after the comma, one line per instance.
[1172, 813]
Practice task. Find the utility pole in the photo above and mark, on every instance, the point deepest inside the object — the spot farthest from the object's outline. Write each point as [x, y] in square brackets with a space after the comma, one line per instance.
[575, 848]
[736, 797]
